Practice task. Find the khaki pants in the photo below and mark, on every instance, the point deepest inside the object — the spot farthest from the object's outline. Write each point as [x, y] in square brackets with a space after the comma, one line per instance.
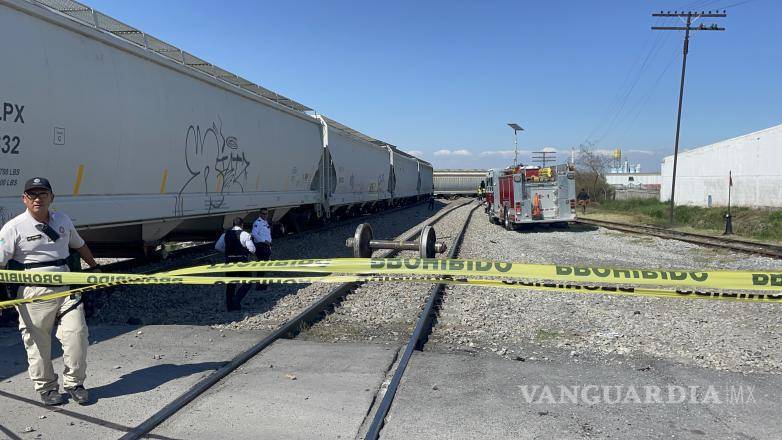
[36, 321]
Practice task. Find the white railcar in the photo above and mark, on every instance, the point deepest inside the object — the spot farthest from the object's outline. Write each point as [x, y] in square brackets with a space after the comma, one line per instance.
[359, 170]
[426, 172]
[406, 178]
[458, 182]
[143, 141]
[127, 136]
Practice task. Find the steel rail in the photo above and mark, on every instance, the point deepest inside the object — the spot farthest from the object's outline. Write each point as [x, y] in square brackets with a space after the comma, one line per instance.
[417, 340]
[289, 329]
[765, 249]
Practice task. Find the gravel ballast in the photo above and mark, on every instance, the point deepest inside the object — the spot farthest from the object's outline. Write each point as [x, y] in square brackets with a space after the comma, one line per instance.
[522, 325]
[385, 312]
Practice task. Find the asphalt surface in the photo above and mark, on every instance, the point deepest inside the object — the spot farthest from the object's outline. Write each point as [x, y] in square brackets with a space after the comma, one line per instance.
[468, 396]
[131, 373]
[303, 389]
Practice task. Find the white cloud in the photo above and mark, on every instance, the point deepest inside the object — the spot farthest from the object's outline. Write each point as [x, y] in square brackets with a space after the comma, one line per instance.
[647, 152]
[442, 152]
[416, 152]
[462, 153]
[499, 153]
[604, 152]
[549, 149]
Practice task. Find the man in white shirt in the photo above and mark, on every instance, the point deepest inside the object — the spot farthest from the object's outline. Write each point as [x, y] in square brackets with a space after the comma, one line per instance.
[262, 236]
[39, 240]
[237, 245]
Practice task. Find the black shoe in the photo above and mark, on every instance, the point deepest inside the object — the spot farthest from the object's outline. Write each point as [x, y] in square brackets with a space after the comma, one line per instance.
[79, 394]
[52, 397]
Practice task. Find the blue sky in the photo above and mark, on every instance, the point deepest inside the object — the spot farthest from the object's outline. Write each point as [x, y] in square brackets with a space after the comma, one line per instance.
[442, 78]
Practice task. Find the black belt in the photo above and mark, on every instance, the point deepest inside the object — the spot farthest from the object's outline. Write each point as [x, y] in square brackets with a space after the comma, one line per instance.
[61, 262]
[236, 258]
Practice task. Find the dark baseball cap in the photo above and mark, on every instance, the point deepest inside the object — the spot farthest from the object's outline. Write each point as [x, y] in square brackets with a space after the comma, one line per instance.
[37, 182]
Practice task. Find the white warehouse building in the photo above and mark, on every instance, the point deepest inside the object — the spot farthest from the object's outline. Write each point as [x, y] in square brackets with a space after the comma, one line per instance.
[753, 160]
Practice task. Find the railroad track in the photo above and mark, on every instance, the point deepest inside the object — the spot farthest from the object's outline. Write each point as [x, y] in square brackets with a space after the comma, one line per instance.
[768, 250]
[289, 329]
[417, 339]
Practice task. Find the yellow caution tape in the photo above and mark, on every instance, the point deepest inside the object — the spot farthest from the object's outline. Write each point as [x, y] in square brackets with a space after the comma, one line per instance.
[444, 279]
[699, 284]
[714, 279]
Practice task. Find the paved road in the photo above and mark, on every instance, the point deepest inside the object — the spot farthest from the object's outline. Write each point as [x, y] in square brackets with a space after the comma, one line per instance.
[155, 366]
[461, 396]
[444, 395]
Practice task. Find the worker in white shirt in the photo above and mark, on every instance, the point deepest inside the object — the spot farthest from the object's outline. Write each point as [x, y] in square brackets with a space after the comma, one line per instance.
[237, 245]
[262, 237]
[39, 240]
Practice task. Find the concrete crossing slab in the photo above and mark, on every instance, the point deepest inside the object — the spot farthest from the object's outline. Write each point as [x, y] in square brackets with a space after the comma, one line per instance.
[293, 390]
[132, 372]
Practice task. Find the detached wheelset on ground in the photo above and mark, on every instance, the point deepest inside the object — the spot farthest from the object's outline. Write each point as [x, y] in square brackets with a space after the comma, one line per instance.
[363, 244]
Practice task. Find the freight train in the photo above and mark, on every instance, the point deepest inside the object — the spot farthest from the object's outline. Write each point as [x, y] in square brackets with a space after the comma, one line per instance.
[143, 141]
[456, 183]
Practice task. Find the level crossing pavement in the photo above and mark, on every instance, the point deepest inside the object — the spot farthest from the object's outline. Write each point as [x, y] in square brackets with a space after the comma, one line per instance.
[309, 389]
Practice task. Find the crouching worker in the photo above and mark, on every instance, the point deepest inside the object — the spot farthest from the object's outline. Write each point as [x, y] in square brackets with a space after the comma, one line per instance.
[39, 240]
[237, 246]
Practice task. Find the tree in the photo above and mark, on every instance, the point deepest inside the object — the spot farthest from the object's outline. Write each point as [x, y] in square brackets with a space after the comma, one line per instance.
[591, 166]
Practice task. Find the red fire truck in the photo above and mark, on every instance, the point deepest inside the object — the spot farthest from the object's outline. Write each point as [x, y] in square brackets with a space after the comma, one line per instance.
[531, 194]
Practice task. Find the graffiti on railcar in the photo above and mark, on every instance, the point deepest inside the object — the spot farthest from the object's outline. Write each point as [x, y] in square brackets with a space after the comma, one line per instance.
[215, 166]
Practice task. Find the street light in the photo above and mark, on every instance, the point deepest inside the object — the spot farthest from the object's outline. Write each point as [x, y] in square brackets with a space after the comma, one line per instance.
[516, 129]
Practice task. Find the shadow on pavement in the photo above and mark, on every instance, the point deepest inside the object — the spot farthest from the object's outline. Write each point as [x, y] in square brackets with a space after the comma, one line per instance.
[149, 378]
[14, 358]
[75, 415]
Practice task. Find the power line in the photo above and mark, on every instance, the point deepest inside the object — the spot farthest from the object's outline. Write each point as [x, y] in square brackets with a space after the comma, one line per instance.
[641, 103]
[735, 4]
[623, 107]
[689, 15]
[627, 85]
[616, 118]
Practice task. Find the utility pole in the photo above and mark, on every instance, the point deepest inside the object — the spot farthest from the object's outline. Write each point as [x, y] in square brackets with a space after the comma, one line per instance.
[690, 16]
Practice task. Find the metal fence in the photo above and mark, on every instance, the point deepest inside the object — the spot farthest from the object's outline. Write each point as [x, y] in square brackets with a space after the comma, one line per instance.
[635, 193]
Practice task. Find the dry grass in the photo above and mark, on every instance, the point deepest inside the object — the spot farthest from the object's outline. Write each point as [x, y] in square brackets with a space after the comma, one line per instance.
[751, 224]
